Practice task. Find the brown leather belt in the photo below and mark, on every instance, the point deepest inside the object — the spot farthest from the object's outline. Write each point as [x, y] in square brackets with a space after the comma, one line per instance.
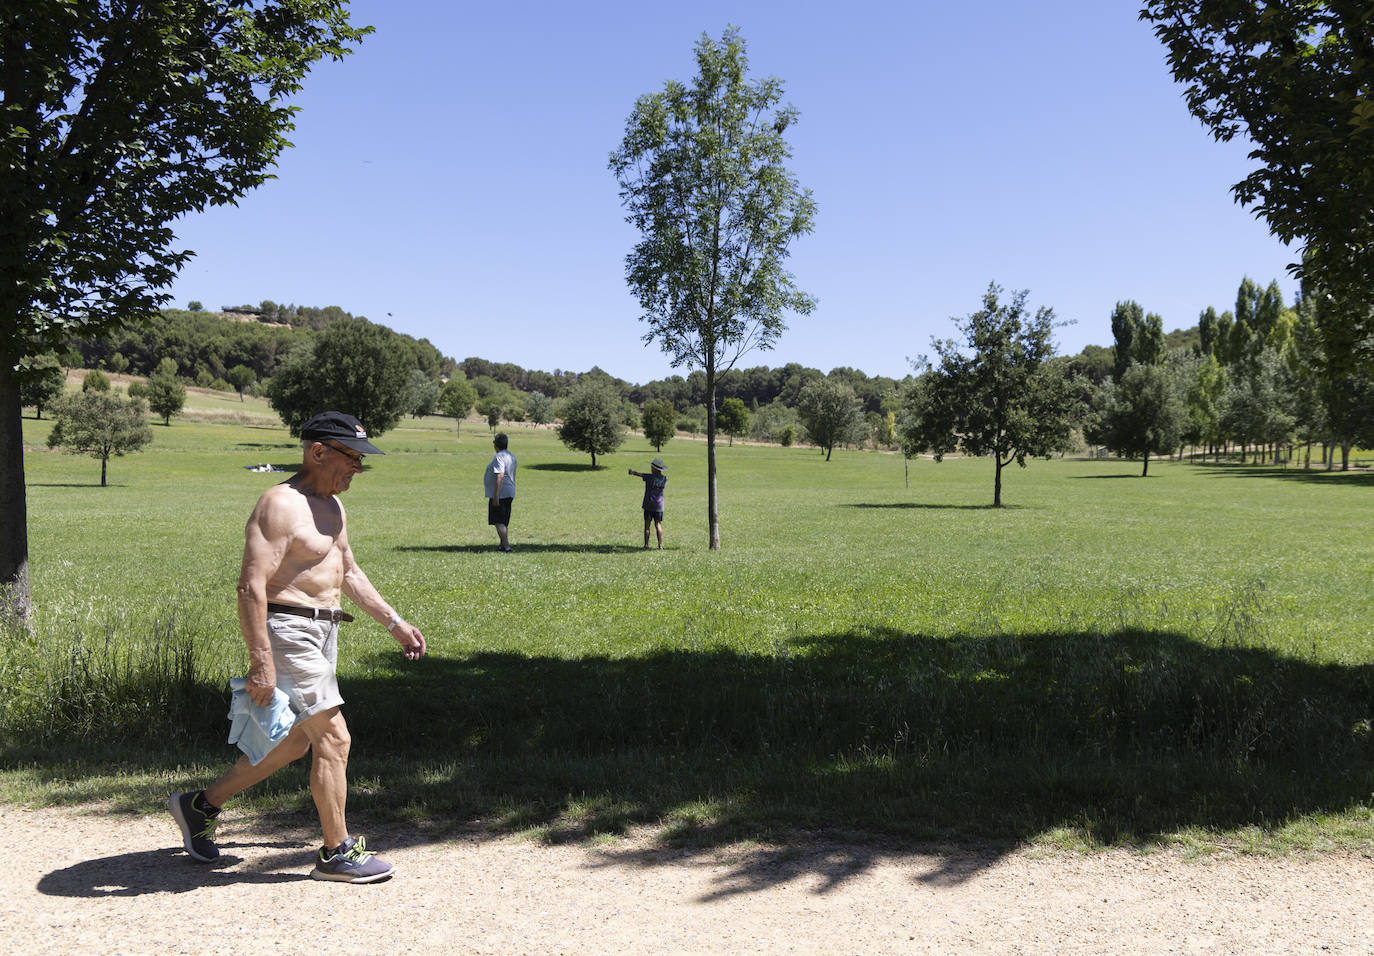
[314, 613]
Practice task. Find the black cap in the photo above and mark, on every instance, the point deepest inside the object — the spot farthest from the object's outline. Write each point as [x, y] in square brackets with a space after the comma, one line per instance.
[344, 429]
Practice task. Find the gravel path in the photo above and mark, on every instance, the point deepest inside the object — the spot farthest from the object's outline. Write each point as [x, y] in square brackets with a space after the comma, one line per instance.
[97, 883]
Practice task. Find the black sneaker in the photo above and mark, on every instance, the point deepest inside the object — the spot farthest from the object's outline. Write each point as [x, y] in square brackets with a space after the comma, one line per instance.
[197, 824]
[351, 862]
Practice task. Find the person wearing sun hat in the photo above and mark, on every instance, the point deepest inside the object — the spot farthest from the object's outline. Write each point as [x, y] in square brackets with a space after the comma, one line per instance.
[654, 482]
[297, 564]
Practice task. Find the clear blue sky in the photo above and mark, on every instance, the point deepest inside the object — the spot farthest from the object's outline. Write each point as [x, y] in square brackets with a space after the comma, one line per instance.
[450, 179]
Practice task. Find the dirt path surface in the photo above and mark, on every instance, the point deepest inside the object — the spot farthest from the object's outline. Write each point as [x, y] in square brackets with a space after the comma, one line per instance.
[83, 882]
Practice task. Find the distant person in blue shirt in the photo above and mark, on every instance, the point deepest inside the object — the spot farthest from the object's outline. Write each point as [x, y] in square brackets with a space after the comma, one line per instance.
[653, 499]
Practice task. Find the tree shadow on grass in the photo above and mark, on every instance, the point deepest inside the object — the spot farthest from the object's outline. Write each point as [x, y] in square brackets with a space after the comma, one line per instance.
[834, 752]
[519, 548]
[914, 505]
[74, 484]
[1363, 479]
[565, 466]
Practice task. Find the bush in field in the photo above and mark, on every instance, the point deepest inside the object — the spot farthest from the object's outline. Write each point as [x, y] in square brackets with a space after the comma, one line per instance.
[95, 381]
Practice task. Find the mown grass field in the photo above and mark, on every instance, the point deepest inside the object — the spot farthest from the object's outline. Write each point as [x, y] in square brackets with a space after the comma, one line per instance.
[1109, 659]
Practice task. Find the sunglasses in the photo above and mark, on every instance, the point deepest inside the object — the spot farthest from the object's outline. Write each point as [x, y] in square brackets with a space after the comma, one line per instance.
[346, 453]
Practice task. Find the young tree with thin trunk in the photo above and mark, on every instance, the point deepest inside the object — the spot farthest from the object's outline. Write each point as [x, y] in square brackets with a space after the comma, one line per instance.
[702, 177]
[591, 419]
[831, 413]
[118, 118]
[996, 393]
[660, 421]
[99, 424]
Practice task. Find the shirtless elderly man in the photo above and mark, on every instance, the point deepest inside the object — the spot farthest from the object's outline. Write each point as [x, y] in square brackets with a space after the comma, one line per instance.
[296, 561]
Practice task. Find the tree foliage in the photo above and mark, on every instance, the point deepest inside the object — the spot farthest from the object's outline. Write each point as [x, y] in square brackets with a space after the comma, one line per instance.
[1293, 78]
[1139, 337]
[457, 397]
[43, 383]
[702, 177]
[354, 366]
[591, 420]
[733, 418]
[1139, 415]
[166, 395]
[832, 415]
[99, 424]
[539, 408]
[997, 393]
[659, 421]
[115, 119]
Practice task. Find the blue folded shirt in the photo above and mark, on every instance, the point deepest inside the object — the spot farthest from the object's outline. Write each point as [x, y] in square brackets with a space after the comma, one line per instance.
[257, 729]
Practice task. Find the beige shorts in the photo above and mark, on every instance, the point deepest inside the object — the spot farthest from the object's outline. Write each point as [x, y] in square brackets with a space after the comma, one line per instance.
[306, 654]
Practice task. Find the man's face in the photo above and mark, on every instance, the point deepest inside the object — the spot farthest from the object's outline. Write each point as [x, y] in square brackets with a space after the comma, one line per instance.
[339, 464]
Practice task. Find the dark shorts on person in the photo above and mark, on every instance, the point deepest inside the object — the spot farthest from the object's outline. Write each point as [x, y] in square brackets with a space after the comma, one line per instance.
[498, 512]
[653, 515]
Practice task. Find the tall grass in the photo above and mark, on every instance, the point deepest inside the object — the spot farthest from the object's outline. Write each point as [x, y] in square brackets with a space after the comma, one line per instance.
[1118, 658]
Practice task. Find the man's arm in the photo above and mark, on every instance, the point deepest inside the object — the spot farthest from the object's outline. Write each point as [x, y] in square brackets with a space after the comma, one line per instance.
[361, 592]
[265, 540]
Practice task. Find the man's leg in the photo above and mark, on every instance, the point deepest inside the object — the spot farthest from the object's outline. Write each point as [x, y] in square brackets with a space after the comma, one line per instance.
[243, 774]
[647, 521]
[329, 744]
[502, 536]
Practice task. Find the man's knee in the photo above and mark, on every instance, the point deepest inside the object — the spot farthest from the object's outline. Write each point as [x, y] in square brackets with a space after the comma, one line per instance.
[329, 736]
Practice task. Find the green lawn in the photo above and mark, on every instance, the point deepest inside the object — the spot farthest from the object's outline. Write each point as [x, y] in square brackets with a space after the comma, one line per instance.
[1109, 659]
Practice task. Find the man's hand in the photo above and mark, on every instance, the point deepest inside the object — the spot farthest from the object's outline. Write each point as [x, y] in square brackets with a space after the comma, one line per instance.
[411, 640]
[262, 681]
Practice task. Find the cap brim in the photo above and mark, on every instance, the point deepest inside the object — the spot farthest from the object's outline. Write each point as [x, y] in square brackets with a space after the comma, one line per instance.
[359, 444]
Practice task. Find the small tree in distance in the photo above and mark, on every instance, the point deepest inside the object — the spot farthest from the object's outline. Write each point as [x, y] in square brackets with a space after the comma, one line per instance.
[43, 383]
[733, 418]
[165, 393]
[996, 393]
[456, 398]
[832, 414]
[591, 420]
[539, 408]
[99, 424]
[1138, 416]
[660, 420]
[241, 376]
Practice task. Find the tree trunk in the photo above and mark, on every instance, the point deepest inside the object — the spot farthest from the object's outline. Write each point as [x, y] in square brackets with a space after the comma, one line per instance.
[997, 481]
[712, 506]
[1145, 471]
[593, 459]
[103, 463]
[15, 601]
[1345, 456]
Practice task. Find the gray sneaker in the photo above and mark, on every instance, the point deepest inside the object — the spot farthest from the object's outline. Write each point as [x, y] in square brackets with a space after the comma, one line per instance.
[351, 862]
[197, 824]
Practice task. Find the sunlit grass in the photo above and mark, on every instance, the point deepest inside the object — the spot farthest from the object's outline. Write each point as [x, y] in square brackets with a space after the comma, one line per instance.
[1109, 659]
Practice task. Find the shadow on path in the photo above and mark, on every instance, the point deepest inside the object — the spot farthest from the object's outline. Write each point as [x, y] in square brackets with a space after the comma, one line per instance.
[172, 871]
